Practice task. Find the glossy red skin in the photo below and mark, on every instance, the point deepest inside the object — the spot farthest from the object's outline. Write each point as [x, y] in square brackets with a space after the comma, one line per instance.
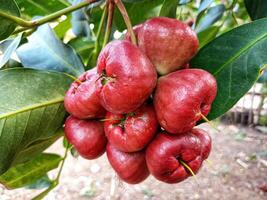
[87, 136]
[82, 99]
[205, 140]
[181, 96]
[168, 43]
[133, 77]
[130, 167]
[135, 133]
[164, 152]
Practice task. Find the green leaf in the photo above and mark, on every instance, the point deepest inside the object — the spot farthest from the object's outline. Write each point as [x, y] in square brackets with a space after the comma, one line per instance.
[46, 52]
[256, 8]
[33, 8]
[36, 148]
[7, 26]
[83, 47]
[204, 5]
[63, 27]
[169, 8]
[207, 35]
[31, 109]
[29, 172]
[43, 182]
[235, 59]
[138, 12]
[213, 15]
[7, 48]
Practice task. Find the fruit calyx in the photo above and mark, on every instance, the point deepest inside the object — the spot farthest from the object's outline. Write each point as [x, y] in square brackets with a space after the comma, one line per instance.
[105, 79]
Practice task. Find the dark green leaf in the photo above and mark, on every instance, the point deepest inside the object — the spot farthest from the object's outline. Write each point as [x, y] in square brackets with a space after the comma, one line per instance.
[256, 8]
[207, 35]
[7, 26]
[63, 27]
[41, 7]
[138, 12]
[83, 47]
[7, 48]
[46, 52]
[31, 109]
[169, 8]
[36, 148]
[213, 15]
[29, 172]
[235, 59]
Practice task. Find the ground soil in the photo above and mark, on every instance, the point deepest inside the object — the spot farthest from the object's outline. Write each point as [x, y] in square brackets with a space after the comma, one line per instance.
[237, 170]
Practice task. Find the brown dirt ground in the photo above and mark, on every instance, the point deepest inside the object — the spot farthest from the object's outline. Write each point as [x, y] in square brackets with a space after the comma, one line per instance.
[232, 174]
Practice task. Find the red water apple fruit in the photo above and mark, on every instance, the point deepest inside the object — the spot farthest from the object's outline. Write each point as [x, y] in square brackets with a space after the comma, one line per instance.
[182, 97]
[87, 136]
[168, 43]
[130, 167]
[128, 77]
[82, 98]
[133, 131]
[205, 141]
[165, 154]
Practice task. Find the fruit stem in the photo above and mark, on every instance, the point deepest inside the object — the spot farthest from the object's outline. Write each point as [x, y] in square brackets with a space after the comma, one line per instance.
[209, 122]
[62, 164]
[109, 21]
[127, 20]
[189, 169]
[110, 119]
[73, 77]
[99, 31]
[56, 181]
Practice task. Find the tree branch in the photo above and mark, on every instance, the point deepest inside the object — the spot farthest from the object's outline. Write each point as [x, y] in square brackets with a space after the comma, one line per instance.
[45, 19]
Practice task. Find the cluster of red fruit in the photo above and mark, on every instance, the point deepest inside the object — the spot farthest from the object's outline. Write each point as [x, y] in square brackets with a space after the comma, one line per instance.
[118, 106]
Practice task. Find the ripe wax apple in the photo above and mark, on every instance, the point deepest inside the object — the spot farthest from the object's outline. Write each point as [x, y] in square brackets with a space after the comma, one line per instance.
[87, 136]
[128, 77]
[165, 153]
[181, 97]
[82, 98]
[168, 43]
[133, 131]
[130, 167]
[205, 140]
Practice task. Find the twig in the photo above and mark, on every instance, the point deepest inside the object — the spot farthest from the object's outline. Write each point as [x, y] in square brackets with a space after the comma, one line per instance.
[127, 20]
[34, 23]
[109, 22]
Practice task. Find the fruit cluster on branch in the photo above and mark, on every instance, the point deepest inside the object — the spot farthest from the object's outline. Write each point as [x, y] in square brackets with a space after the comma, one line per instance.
[145, 124]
